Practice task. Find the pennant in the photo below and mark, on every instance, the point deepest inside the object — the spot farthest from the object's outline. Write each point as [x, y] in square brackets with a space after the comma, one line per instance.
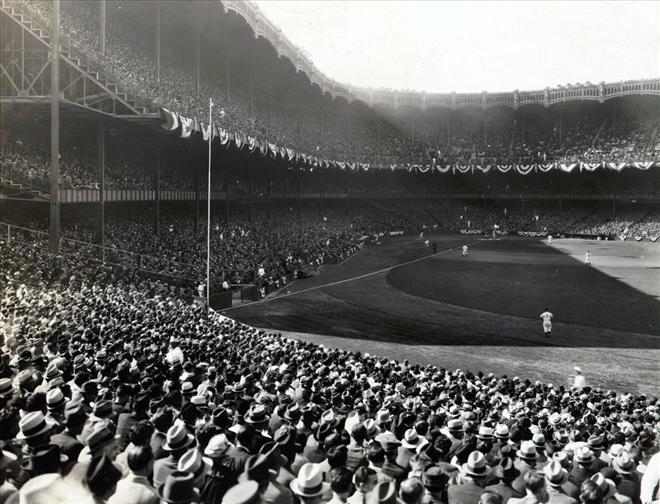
[524, 169]
[644, 165]
[186, 126]
[567, 167]
[170, 121]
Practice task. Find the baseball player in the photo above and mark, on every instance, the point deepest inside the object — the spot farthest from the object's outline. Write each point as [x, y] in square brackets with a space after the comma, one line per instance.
[464, 251]
[546, 316]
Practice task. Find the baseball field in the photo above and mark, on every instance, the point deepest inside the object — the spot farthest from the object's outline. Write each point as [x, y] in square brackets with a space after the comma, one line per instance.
[481, 312]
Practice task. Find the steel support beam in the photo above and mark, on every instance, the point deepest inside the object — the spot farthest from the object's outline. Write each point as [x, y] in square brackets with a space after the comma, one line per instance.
[55, 215]
[100, 146]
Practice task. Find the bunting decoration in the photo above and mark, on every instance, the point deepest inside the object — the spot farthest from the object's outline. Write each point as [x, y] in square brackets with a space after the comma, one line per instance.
[194, 128]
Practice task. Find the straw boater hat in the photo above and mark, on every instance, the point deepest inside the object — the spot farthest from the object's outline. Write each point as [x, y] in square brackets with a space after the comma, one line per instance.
[527, 451]
[309, 482]
[33, 424]
[411, 439]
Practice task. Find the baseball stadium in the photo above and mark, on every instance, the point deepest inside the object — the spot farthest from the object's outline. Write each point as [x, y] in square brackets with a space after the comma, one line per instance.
[178, 178]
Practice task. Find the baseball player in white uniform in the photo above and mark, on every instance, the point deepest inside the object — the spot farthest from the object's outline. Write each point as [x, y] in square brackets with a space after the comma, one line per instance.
[464, 251]
[546, 316]
[587, 257]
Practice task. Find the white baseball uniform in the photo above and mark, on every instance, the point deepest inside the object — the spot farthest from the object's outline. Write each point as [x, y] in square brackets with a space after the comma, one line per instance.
[546, 316]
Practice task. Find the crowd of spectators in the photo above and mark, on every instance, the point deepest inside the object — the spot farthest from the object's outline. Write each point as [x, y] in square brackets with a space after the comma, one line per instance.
[129, 61]
[113, 391]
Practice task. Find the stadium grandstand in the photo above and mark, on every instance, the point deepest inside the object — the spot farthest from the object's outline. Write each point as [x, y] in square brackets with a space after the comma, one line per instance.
[226, 278]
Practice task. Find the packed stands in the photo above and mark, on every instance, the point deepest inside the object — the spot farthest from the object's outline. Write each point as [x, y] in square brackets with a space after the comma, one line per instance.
[108, 383]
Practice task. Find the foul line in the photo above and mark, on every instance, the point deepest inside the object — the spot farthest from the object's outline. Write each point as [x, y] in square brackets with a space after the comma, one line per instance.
[346, 280]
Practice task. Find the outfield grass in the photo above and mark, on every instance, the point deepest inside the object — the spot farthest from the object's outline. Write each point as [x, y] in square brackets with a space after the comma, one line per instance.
[480, 313]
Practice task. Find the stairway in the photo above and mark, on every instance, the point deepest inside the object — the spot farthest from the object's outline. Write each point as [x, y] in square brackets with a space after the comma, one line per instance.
[21, 13]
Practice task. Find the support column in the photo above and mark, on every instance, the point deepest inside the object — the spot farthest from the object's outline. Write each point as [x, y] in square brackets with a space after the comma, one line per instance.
[159, 160]
[55, 210]
[102, 25]
[157, 41]
[227, 193]
[100, 147]
[195, 163]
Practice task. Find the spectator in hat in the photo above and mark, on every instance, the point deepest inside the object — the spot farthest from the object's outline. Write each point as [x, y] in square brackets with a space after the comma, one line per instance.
[507, 475]
[178, 488]
[193, 462]
[219, 479]
[308, 486]
[590, 493]
[535, 490]
[55, 403]
[525, 462]
[596, 444]
[538, 440]
[625, 476]
[583, 460]
[176, 444]
[135, 487]
[556, 476]
[100, 441]
[356, 454]
[162, 421]
[472, 480]
[102, 478]
[435, 482]
[364, 481]
[390, 468]
[35, 430]
[411, 491]
[239, 452]
[409, 444]
[341, 485]
[67, 440]
[7, 489]
[127, 419]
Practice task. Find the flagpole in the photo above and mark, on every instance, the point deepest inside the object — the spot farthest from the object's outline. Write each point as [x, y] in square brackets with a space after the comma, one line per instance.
[208, 212]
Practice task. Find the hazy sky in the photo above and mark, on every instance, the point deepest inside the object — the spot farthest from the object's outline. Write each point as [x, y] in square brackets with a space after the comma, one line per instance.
[473, 46]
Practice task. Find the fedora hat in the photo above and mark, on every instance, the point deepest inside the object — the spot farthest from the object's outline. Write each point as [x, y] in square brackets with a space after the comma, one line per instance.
[191, 462]
[102, 433]
[256, 468]
[54, 399]
[45, 459]
[623, 463]
[527, 451]
[434, 478]
[476, 465]
[177, 438]
[538, 440]
[455, 425]
[178, 488]
[243, 493]
[256, 415]
[410, 439]
[555, 474]
[33, 424]
[584, 455]
[292, 413]
[309, 482]
[217, 446]
[383, 493]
